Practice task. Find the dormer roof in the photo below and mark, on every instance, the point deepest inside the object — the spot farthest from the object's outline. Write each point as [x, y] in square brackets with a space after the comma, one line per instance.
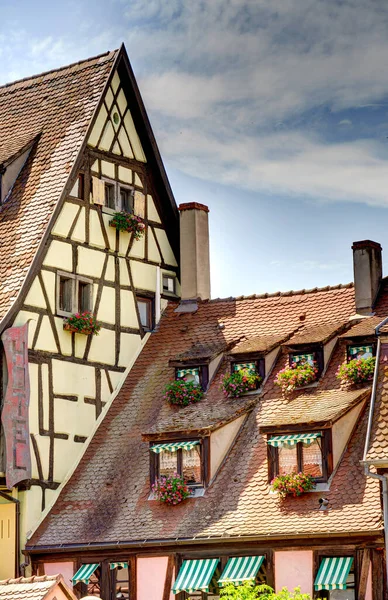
[317, 334]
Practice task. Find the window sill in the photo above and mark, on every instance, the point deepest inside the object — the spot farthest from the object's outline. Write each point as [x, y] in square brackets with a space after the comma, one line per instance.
[319, 487]
[197, 492]
[110, 211]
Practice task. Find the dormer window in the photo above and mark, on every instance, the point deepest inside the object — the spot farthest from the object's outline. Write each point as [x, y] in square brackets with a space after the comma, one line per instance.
[183, 457]
[169, 286]
[198, 375]
[365, 351]
[305, 452]
[254, 367]
[313, 358]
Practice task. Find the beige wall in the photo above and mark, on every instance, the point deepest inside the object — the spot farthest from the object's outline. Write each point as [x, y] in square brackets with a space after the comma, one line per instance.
[7, 539]
[341, 431]
[220, 442]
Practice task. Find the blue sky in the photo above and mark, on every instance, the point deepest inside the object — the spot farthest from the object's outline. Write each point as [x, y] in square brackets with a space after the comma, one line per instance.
[272, 112]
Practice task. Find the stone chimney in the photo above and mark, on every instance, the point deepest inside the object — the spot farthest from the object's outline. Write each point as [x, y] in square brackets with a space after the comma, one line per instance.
[195, 261]
[367, 266]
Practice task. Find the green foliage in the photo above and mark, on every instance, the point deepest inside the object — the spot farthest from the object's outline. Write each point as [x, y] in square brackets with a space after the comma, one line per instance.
[249, 591]
[239, 382]
[84, 322]
[296, 376]
[358, 370]
[171, 490]
[183, 393]
[294, 484]
[124, 221]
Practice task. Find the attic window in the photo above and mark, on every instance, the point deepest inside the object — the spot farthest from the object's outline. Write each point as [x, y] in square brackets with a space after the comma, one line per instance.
[254, 367]
[366, 351]
[299, 452]
[145, 308]
[118, 197]
[311, 357]
[184, 458]
[198, 375]
[74, 294]
[169, 284]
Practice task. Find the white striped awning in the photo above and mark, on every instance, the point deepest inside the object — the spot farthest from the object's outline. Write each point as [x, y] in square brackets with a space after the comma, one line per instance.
[333, 573]
[195, 575]
[174, 446]
[118, 565]
[278, 441]
[84, 573]
[240, 569]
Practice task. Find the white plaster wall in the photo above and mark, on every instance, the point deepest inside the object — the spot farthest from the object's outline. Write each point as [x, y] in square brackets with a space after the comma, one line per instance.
[341, 431]
[269, 360]
[65, 219]
[221, 441]
[144, 276]
[294, 569]
[213, 366]
[90, 262]
[65, 568]
[327, 350]
[59, 255]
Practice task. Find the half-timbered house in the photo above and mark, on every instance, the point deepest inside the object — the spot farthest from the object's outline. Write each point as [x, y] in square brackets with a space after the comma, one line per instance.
[111, 535]
[76, 147]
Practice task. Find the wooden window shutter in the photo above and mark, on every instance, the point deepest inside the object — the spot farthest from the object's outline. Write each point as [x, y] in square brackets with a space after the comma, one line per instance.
[139, 204]
[98, 194]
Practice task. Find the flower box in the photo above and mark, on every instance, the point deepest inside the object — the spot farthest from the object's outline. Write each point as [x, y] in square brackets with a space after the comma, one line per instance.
[296, 376]
[358, 370]
[183, 393]
[294, 484]
[84, 323]
[171, 490]
[240, 382]
[123, 221]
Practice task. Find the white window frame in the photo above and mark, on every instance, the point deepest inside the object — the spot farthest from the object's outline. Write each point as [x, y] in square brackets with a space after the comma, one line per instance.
[117, 186]
[74, 292]
[169, 276]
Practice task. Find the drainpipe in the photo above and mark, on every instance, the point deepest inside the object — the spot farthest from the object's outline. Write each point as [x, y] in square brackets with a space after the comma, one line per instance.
[368, 472]
[2, 171]
[17, 530]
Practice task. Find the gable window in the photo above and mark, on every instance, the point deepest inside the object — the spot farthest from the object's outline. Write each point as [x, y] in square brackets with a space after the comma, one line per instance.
[145, 307]
[74, 294]
[198, 375]
[355, 352]
[169, 284]
[335, 579]
[254, 367]
[299, 453]
[313, 358]
[118, 197]
[184, 458]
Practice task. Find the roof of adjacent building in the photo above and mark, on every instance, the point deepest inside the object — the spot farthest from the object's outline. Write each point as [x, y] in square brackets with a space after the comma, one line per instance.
[55, 109]
[33, 588]
[106, 499]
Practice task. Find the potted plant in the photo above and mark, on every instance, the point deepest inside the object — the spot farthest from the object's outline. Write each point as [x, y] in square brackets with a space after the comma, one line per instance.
[171, 489]
[358, 370]
[240, 382]
[294, 484]
[124, 221]
[84, 322]
[182, 393]
[297, 375]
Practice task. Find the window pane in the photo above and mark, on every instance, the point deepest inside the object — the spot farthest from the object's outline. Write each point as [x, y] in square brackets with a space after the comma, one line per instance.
[189, 375]
[94, 584]
[168, 284]
[65, 294]
[287, 460]
[168, 463]
[301, 359]
[84, 294]
[360, 352]
[249, 366]
[191, 465]
[126, 200]
[144, 312]
[110, 195]
[312, 459]
[122, 584]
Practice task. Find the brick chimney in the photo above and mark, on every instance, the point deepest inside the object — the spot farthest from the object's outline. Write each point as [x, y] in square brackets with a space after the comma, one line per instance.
[367, 266]
[195, 261]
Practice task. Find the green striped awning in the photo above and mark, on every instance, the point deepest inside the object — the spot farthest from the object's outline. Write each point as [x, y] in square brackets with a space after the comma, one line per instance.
[84, 573]
[278, 441]
[241, 568]
[118, 565]
[183, 372]
[333, 573]
[195, 575]
[174, 446]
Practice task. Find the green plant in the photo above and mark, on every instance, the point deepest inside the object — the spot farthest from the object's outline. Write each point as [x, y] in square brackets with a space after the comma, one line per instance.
[249, 591]
[296, 376]
[294, 484]
[239, 382]
[357, 370]
[84, 322]
[124, 221]
[182, 393]
[171, 489]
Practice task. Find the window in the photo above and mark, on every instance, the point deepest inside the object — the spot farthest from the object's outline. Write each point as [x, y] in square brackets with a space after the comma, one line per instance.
[168, 284]
[120, 580]
[311, 357]
[366, 351]
[145, 307]
[126, 199]
[335, 578]
[302, 359]
[74, 294]
[118, 197]
[198, 375]
[185, 458]
[300, 452]
[253, 367]
[110, 200]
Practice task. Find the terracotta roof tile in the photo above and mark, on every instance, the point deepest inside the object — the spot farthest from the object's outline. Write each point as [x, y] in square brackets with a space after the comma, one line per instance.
[57, 106]
[261, 343]
[29, 588]
[321, 333]
[364, 328]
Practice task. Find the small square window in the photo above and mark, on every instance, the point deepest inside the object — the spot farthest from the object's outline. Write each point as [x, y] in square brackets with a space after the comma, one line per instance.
[126, 199]
[65, 294]
[74, 294]
[355, 352]
[110, 200]
[187, 462]
[145, 306]
[293, 456]
[254, 367]
[168, 284]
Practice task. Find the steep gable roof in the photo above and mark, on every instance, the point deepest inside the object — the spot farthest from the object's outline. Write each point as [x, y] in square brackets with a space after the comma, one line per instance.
[34, 588]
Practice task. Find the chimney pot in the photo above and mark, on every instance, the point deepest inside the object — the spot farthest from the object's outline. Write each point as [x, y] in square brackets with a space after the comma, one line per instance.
[195, 260]
[367, 266]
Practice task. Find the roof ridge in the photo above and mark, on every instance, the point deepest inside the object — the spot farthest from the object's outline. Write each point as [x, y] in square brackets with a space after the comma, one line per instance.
[327, 288]
[44, 73]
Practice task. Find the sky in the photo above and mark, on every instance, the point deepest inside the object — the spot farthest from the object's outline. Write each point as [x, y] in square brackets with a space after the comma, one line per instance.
[271, 112]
